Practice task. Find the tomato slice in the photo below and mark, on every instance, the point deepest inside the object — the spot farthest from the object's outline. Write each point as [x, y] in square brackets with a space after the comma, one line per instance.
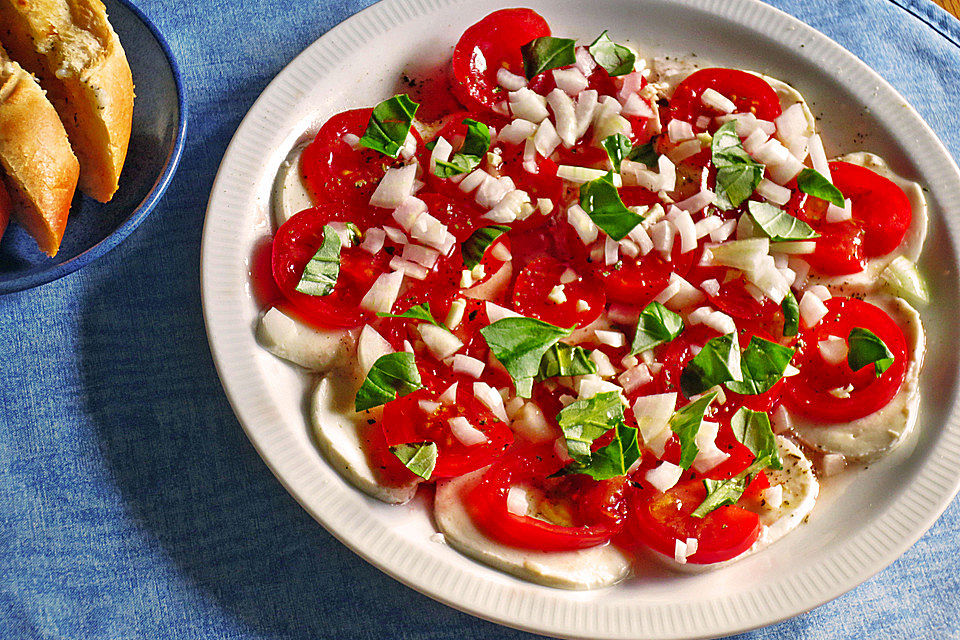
[881, 216]
[486, 502]
[537, 280]
[405, 420]
[749, 92]
[297, 241]
[637, 281]
[810, 393]
[486, 47]
[660, 519]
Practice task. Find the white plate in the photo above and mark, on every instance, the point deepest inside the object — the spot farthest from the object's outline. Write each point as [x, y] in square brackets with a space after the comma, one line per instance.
[852, 534]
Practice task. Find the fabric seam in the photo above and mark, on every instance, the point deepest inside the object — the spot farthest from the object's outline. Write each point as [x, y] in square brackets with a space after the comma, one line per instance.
[926, 18]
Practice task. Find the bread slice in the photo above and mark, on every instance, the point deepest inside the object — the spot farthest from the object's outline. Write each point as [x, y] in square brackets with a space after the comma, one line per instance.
[36, 157]
[74, 52]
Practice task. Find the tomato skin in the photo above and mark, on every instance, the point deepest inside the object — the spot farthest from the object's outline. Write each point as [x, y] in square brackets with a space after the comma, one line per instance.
[637, 281]
[750, 93]
[296, 242]
[538, 278]
[486, 502]
[658, 520]
[488, 45]
[404, 421]
[808, 393]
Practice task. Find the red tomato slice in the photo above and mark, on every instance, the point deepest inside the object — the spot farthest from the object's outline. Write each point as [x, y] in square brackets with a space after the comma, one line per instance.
[808, 393]
[404, 421]
[750, 93]
[297, 241]
[537, 280]
[486, 502]
[486, 47]
[637, 281]
[881, 216]
[660, 519]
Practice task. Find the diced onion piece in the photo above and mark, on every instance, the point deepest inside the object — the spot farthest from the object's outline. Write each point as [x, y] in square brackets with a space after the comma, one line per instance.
[592, 384]
[571, 81]
[711, 287]
[663, 234]
[604, 366]
[833, 349]
[833, 463]
[903, 279]
[396, 184]
[664, 476]
[754, 141]
[608, 123]
[634, 377]
[395, 235]
[653, 415]
[510, 81]
[698, 201]
[528, 105]
[470, 366]
[530, 423]
[473, 180]
[668, 173]
[812, 309]
[611, 251]
[383, 293]
[821, 292]
[839, 214]
[679, 130]
[782, 166]
[720, 322]
[517, 501]
[450, 395]
[707, 225]
[492, 190]
[439, 341]
[517, 131]
[717, 101]
[582, 224]
[429, 407]
[709, 455]
[371, 346]
[582, 175]
[546, 138]
[791, 123]
[373, 240]
[636, 174]
[407, 212]
[684, 293]
[465, 432]
[586, 109]
[611, 338]
[684, 150]
[772, 192]
[441, 152]
[455, 315]
[556, 295]
[797, 247]
[421, 255]
[508, 209]
[429, 231]
[772, 496]
[636, 106]
[496, 312]
[818, 157]
[491, 399]
[632, 83]
[409, 268]
[744, 255]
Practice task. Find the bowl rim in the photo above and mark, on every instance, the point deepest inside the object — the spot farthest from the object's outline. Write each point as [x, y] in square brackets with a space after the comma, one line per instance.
[142, 210]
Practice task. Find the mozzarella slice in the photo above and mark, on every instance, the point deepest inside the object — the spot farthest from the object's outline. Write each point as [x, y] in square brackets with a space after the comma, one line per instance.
[582, 569]
[799, 494]
[871, 436]
[315, 349]
[290, 195]
[868, 280]
[338, 429]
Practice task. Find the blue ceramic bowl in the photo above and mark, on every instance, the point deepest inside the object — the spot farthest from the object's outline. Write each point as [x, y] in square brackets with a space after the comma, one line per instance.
[156, 141]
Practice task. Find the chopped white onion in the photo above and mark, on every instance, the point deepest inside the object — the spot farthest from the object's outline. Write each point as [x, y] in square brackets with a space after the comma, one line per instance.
[812, 309]
[371, 346]
[470, 366]
[383, 293]
[490, 399]
[572, 81]
[510, 81]
[717, 101]
[396, 184]
[528, 105]
[833, 349]
[373, 240]
[664, 476]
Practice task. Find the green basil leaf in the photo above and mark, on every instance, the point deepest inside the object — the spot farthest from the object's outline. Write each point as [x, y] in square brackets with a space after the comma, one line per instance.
[475, 145]
[419, 457]
[416, 312]
[686, 422]
[545, 53]
[599, 198]
[777, 224]
[737, 173]
[584, 421]
[866, 347]
[753, 430]
[458, 164]
[645, 153]
[656, 325]
[762, 365]
[519, 344]
[718, 362]
[719, 493]
[814, 183]
[321, 273]
[791, 315]
[618, 147]
[479, 241]
[389, 125]
[392, 376]
[563, 359]
[617, 59]
[614, 459]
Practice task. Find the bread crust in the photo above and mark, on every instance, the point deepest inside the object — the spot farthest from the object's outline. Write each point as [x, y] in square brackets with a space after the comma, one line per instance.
[36, 157]
[77, 57]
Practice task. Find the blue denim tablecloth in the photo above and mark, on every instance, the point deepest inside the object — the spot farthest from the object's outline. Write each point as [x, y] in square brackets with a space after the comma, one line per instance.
[133, 506]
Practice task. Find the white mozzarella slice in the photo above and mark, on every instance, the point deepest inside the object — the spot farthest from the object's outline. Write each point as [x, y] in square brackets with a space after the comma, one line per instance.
[799, 491]
[869, 280]
[591, 568]
[290, 195]
[313, 349]
[871, 436]
[338, 430]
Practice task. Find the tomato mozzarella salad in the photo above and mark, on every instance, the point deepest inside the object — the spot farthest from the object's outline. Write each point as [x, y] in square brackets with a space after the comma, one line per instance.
[607, 306]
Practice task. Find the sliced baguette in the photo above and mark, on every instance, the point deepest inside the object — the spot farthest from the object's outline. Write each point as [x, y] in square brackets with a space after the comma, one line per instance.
[35, 155]
[76, 55]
